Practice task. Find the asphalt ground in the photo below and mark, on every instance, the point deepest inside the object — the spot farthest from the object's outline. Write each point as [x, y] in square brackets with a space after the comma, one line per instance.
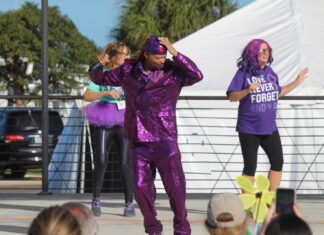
[20, 202]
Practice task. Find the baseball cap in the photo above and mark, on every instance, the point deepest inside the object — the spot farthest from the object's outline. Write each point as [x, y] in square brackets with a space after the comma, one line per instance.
[153, 45]
[225, 203]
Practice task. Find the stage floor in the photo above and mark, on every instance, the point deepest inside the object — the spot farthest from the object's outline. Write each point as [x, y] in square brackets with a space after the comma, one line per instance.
[18, 209]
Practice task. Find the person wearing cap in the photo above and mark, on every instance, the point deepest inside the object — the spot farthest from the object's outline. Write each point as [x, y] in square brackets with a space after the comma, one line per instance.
[226, 215]
[152, 85]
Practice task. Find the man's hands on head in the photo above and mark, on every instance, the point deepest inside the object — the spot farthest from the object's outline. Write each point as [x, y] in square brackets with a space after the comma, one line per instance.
[165, 42]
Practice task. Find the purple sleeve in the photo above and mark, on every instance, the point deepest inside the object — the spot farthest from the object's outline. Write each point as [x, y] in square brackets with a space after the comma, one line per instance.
[237, 82]
[112, 77]
[190, 70]
[274, 75]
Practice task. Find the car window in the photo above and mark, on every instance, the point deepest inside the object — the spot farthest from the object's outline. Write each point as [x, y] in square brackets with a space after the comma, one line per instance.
[28, 121]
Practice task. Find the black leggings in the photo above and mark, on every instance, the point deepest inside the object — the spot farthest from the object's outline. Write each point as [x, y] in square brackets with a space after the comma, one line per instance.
[103, 137]
[271, 145]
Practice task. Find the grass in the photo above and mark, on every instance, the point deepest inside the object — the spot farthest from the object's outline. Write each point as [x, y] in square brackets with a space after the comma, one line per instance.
[31, 173]
[34, 173]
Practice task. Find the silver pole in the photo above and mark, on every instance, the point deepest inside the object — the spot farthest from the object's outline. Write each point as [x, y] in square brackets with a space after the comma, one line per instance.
[83, 158]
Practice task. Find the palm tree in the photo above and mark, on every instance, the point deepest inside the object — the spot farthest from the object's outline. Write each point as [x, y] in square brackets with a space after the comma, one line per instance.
[174, 19]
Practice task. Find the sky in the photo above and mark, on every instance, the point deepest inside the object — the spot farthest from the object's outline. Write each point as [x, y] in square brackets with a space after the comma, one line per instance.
[94, 18]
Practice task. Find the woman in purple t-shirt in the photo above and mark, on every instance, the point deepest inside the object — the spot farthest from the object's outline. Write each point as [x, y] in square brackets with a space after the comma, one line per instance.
[257, 88]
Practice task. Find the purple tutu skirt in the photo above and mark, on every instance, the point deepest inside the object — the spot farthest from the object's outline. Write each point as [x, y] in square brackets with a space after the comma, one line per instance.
[104, 114]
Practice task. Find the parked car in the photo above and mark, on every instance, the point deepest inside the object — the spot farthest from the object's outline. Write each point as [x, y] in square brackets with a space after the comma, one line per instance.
[21, 140]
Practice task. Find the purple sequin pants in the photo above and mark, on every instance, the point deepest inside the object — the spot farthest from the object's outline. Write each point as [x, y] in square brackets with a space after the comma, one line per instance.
[165, 157]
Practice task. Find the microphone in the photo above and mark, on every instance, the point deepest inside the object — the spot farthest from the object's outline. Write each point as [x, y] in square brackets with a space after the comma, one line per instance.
[112, 53]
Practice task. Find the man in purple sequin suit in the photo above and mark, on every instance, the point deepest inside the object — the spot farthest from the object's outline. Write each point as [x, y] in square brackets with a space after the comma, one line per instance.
[152, 85]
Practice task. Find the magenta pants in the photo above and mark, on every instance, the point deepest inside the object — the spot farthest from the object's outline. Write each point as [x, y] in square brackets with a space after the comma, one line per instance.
[165, 157]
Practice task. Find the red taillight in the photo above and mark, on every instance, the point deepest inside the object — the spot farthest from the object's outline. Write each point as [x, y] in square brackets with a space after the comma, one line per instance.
[13, 138]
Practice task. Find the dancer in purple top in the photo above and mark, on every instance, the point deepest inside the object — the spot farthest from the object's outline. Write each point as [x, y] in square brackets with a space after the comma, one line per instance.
[152, 85]
[257, 88]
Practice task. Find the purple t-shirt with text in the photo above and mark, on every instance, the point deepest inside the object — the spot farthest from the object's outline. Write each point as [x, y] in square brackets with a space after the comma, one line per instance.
[257, 110]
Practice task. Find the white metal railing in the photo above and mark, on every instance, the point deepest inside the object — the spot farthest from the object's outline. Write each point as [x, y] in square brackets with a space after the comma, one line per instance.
[210, 148]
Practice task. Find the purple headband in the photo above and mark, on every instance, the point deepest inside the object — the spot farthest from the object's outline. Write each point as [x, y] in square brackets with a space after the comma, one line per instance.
[153, 45]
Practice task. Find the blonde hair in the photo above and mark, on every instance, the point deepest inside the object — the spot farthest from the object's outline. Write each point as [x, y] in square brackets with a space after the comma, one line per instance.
[55, 220]
[118, 47]
[85, 217]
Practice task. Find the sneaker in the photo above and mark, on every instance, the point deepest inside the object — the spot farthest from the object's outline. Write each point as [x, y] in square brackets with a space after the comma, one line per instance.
[95, 207]
[129, 210]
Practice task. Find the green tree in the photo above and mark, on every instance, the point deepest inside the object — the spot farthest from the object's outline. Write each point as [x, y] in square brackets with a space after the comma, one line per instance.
[20, 43]
[174, 19]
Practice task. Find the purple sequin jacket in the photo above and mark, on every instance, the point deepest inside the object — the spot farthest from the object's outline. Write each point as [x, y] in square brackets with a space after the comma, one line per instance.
[150, 106]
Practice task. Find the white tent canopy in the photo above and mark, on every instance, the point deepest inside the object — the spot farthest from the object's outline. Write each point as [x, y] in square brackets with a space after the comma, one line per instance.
[293, 28]
[211, 153]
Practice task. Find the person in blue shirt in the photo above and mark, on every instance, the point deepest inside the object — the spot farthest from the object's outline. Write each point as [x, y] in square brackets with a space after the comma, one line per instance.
[106, 113]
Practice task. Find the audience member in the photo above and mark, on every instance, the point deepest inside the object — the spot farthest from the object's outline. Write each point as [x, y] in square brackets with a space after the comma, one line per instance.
[285, 223]
[226, 215]
[55, 220]
[288, 224]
